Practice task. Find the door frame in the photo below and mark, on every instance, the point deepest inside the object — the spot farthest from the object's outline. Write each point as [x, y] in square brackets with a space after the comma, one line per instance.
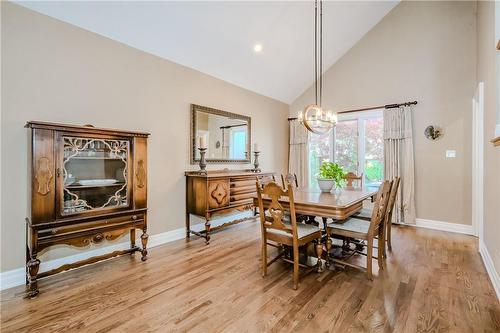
[478, 160]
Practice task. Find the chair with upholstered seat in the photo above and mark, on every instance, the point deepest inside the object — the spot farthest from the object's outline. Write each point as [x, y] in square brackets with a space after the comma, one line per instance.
[276, 228]
[365, 215]
[368, 231]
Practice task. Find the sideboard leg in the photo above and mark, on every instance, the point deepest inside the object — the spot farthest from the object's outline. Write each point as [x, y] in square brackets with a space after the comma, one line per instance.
[32, 267]
[188, 226]
[144, 241]
[207, 232]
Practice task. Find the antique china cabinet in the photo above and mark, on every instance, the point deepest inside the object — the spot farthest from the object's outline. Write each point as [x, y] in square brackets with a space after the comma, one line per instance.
[88, 185]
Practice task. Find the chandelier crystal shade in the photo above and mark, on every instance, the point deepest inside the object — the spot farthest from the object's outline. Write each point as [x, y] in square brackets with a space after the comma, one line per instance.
[314, 118]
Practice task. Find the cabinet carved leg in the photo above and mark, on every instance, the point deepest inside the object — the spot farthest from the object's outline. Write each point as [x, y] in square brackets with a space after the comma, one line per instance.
[207, 232]
[32, 267]
[144, 241]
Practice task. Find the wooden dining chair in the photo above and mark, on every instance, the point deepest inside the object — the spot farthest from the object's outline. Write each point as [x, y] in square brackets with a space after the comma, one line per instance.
[289, 178]
[388, 215]
[274, 228]
[352, 177]
[368, 231]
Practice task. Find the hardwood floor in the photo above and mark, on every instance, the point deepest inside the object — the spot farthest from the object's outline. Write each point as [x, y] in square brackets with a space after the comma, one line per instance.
[434, 282]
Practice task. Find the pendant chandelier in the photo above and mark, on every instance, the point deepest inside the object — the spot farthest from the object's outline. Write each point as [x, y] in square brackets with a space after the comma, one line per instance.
[314, 118]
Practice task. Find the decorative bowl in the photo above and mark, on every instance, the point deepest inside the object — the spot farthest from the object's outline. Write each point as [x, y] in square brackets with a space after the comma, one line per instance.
[326, 185]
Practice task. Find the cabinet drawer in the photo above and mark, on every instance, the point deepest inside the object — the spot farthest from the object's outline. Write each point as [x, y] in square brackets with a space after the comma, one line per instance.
[96, 224]
[235, 183]
[243, 189]
[240, 197]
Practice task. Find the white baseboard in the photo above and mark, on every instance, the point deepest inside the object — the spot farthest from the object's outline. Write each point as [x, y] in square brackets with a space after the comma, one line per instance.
[445, 226]
[490, 267]
[16, 277]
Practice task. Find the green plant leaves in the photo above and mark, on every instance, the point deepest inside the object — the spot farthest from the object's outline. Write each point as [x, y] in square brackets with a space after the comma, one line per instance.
[333, 171]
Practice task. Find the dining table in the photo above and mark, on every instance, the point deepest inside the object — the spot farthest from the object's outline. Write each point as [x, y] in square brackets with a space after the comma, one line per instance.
[338, 204]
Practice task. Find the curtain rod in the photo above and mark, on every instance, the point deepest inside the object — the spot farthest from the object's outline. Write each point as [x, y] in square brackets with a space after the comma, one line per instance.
[388, 106]
[230, 126]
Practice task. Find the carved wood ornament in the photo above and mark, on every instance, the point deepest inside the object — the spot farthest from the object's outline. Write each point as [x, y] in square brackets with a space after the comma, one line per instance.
[219, 194]
[43, 175]
[140, 174]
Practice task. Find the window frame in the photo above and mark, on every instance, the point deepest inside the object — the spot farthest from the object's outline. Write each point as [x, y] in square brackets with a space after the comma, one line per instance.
[361, 117]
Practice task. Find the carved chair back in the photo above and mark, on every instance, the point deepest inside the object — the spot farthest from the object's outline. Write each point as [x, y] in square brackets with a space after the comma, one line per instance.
[352, 177]
[380, 208]
[289, 178]
[275, 211]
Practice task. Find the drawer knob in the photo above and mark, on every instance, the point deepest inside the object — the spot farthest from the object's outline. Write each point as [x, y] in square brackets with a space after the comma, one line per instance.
[54, 231]
[134, 217]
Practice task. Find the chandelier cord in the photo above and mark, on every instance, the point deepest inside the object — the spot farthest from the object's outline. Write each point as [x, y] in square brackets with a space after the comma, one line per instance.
[316, 51]
[320, 52]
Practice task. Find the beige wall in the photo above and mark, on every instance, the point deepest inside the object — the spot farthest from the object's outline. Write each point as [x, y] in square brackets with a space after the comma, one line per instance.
[486, 73]
[424, 51]
[56, 72]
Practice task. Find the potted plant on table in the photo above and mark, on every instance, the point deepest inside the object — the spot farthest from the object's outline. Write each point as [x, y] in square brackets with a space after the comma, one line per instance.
[330, 174]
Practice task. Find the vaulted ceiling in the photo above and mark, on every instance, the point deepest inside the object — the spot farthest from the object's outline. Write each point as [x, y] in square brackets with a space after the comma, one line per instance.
[218, 38]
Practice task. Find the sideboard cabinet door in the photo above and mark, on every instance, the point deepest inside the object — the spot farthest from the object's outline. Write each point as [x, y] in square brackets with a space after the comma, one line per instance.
[218, 193]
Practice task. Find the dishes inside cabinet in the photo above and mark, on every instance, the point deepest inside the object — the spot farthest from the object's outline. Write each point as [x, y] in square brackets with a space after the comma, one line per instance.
[96, 182]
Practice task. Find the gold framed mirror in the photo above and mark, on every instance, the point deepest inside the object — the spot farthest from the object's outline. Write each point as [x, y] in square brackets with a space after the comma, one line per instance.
[226, 135]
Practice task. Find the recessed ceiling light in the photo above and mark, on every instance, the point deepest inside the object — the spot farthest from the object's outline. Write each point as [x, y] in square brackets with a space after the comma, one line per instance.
[257, 48]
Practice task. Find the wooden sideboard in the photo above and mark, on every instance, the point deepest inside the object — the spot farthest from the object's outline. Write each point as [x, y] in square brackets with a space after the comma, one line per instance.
[219, 192]
[88, 185]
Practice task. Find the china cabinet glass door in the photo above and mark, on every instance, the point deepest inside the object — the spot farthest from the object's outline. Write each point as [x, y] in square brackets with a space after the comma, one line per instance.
[95, 174]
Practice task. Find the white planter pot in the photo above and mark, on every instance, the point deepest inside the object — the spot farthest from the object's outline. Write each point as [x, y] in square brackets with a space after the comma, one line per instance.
[326, 185]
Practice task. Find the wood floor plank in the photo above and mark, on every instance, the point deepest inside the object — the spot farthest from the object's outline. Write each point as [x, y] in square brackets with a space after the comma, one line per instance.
[434, 282]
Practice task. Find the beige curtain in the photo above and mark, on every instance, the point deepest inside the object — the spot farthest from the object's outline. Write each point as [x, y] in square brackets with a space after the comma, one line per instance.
[297, 158]
[398, 146]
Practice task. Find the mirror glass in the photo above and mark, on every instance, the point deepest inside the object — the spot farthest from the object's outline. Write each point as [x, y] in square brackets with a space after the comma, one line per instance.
[225, 135]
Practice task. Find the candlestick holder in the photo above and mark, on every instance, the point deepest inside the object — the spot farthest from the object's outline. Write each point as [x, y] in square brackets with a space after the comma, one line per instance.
[203, 162]
[256, 161]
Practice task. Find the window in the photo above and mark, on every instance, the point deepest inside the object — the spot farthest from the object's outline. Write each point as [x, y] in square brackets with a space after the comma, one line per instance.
[320, 150]
[356, 144]
[238, 143]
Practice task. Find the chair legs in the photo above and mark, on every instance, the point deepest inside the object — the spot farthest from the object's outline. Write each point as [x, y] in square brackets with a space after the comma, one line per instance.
[264, 257]
[295, 267]
[380, 252]
[369, 259]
